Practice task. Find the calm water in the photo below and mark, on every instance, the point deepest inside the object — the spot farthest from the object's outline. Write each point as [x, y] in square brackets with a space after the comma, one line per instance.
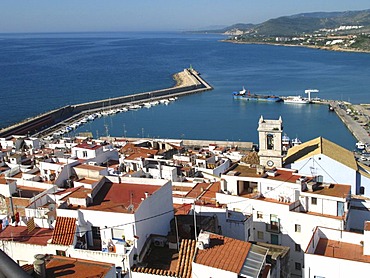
[40, 72]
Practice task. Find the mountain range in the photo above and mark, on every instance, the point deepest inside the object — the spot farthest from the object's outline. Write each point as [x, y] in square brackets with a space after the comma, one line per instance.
[301, 23]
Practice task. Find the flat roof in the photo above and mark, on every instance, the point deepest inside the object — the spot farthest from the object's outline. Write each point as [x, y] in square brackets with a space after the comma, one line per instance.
[80, 192]
[286, 175]
[118, 197]
[39, 236]
[59, 266]
[341, 250]
[333, 190]
[85, 145]
[89, 167]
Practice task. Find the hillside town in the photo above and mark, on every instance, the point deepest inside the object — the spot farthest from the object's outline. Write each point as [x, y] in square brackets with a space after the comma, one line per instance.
[342, 38]
[121, 207]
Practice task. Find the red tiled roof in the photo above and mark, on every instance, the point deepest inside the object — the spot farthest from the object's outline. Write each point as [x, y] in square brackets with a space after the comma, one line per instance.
[182, 209]
[64, 231]
[186, 254]
[224, 253]
[38, 236]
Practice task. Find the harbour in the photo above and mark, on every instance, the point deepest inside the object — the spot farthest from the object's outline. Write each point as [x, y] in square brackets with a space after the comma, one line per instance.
[216, 116]
[188, 82]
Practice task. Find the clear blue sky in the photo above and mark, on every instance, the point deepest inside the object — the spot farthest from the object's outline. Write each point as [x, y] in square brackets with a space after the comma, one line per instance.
[152, 15]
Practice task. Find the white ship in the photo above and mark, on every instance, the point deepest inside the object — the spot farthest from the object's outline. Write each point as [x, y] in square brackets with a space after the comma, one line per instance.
[297, 100]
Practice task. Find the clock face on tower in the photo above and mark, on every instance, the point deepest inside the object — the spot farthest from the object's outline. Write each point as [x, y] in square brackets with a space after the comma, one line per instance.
[270, 163]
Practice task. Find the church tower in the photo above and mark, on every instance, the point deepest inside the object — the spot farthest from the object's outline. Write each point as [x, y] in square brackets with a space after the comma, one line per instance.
[270, 145]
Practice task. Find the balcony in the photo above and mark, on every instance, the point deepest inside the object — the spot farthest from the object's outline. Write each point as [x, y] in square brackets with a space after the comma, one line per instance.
[274, 227]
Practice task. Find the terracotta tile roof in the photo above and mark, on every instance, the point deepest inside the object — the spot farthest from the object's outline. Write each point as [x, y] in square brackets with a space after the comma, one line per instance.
[59, 266]
[186, 254]
[182, 209]
[224, 253]
[38, 236]
[321, 145]
[64, 231]
[162, 272]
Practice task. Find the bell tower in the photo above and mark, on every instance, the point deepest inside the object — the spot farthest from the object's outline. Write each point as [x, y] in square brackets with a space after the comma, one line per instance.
[270, 145]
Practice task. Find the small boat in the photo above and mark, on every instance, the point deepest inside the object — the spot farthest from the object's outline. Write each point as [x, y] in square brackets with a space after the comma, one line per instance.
[296, 100]
[134, 107]
[285, 142]
[296, 142]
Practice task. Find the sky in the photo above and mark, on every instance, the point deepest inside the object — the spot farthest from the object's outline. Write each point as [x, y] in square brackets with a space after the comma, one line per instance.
[24, 16]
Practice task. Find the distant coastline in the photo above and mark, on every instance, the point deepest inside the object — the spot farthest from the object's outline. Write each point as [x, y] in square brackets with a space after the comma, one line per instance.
[328, 48]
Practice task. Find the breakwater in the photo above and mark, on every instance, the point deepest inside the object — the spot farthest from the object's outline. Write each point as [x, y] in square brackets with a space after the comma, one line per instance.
[189, 81]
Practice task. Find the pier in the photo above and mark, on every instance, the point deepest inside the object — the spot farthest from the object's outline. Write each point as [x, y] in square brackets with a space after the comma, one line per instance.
[188, 81]
[355, 117]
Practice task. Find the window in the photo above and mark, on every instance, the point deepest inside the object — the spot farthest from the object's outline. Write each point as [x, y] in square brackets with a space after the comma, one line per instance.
[96, 232]
[61, 253]
[340, 208]
[274, 222]
[249, 233]
[298, 248]
[84, 153]
[298, 266]
[259, 235]
[313, 201]
[259, 215]
[297, 228]
[270, 141]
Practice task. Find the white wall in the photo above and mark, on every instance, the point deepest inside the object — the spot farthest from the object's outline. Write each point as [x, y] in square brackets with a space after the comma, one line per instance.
[327, 267]
[199, 270]
[331, 170]
[159, 205]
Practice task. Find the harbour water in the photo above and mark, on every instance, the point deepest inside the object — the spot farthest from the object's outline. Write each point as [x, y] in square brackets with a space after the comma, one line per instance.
[45, 71]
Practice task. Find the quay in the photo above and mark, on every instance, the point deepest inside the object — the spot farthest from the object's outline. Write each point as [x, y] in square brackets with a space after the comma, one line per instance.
[355, 117]
[188, 81]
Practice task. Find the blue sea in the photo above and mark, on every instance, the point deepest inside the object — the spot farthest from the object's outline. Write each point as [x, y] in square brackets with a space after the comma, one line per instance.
[40, 72]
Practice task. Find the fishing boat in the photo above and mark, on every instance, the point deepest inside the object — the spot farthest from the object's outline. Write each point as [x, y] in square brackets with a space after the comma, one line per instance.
[255, 97]
[296, 100]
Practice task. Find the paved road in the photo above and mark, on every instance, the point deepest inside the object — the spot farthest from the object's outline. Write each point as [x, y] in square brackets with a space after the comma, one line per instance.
[356, 126]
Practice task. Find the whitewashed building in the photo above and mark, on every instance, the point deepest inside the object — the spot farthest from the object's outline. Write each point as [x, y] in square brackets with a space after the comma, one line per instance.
[335, 253]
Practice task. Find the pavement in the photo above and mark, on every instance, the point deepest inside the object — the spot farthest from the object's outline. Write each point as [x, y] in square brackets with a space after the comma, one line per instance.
[356, 120]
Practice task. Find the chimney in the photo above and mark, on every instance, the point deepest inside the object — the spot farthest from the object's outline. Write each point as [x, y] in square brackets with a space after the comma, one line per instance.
[39, 265]
[203, 240]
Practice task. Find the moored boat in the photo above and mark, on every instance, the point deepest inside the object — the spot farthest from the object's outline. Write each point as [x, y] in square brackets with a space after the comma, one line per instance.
[296, 100]
[255, 97]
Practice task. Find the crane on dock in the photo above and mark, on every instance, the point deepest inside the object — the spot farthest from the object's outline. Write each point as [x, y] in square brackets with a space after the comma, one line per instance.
[309, 91]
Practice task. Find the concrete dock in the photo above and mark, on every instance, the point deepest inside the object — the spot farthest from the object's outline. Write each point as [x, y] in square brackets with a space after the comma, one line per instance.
[188, 81]
[356, 120]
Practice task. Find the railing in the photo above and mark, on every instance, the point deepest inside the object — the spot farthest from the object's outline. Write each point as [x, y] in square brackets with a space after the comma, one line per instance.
[273, 228]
